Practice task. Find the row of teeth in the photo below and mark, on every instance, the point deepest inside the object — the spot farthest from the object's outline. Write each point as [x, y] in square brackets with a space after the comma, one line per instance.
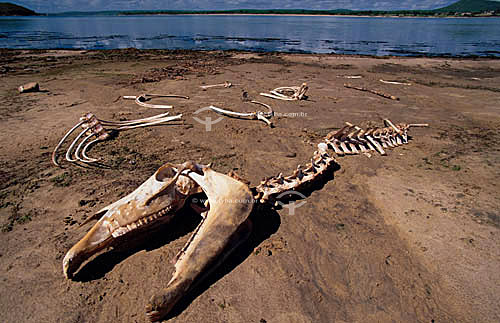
[122, 230]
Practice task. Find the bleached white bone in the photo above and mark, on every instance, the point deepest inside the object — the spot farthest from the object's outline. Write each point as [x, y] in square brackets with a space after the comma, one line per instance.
[94, 127]
[259, 115]
[279, 93]
[144, 97]
[225, 84]
[394, 82]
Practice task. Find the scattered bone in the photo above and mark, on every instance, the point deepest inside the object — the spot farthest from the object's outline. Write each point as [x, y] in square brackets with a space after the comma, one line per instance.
[141, 100]
[224, 226]
[225, 84]
[394, 82]
[94, 127]
[29, 87]
[379, 93]
[351, 76]
[349, 140]
[257, 115]
[288, 93]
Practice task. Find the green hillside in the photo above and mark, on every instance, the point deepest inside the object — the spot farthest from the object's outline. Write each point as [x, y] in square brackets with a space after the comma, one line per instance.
[10, 9]
[471, 6]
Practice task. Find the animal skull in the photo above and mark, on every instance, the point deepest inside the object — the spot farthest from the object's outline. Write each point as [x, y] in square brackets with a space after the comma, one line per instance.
[222, 229]
[156, 200]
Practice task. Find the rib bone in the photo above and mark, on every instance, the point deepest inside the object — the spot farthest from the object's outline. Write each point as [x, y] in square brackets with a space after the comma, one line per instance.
[92, 126]
[141, 100]
[257, 115]
[283, 93]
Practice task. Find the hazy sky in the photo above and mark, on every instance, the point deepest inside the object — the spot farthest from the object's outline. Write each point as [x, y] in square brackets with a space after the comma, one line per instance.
[96, 5]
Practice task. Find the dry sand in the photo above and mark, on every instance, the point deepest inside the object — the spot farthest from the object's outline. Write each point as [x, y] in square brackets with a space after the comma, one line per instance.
[409, 237]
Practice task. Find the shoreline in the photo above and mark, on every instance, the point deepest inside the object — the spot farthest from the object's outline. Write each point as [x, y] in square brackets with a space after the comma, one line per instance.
[82, 50]
[305, 15]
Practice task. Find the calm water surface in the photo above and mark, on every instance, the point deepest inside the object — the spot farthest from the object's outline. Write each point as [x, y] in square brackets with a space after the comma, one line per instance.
[340, 35]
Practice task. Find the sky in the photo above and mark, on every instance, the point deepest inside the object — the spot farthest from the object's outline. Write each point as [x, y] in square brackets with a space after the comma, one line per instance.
[51, 6]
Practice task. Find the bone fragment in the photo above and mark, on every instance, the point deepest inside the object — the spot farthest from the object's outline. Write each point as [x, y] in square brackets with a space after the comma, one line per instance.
[257, 115]
[225, 84]
[29, 87]
[282, 93]
[141, 100]
[394, 82]
[379, 93]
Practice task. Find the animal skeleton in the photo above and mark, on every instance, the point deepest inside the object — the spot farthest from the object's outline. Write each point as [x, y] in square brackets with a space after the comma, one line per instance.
[94, 127]
[141, 100]
[225, 221]
[257, 115]
[288, 93]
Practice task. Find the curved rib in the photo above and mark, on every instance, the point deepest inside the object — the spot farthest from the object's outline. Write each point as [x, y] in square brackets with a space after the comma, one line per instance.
[269, 113]
[231, 113]
[156, 106]
[54, 161]
[84, 150]
[166, 119]
[77, 151]
[128, 122]
[68, 153]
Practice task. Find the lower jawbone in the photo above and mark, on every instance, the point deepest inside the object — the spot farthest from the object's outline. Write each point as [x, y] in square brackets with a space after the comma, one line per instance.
[223, 227]
[153, 203]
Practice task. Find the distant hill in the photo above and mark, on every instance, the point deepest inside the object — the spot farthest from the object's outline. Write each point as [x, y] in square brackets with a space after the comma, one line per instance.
[471, 6]
[10, 9]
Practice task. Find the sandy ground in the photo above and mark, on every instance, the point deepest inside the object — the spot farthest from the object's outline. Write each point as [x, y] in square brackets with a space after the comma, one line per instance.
[409, 237]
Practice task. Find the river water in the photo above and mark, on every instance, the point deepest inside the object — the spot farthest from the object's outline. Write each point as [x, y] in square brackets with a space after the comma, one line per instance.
[309, 34]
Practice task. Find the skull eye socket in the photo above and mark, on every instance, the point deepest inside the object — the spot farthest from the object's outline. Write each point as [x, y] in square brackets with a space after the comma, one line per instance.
[165, 173]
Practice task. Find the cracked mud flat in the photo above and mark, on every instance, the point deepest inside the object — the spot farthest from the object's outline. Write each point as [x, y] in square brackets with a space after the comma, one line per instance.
[410, 237]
